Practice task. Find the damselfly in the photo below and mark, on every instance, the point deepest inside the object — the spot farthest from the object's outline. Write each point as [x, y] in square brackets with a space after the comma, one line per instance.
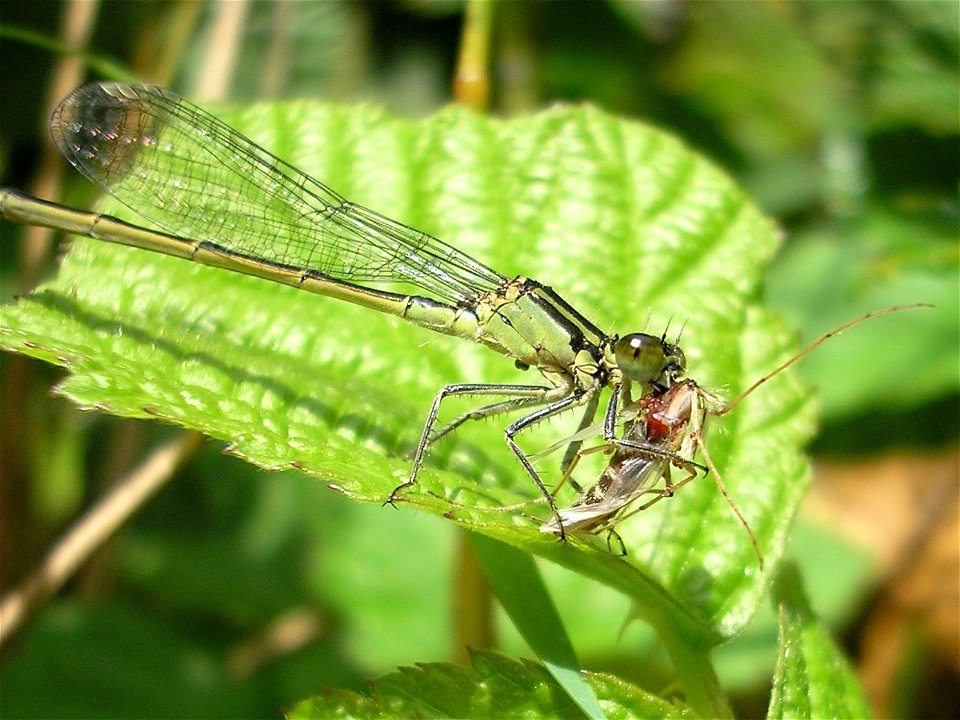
[665, 430]
[222, 200]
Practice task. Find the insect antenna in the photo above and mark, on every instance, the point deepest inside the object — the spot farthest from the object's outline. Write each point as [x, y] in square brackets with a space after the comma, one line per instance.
[813, 346]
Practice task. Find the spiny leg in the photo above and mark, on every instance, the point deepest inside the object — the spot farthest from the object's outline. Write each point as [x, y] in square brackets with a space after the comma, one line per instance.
[528, 395]
[485, 411]
[530, 420]
[571, 455]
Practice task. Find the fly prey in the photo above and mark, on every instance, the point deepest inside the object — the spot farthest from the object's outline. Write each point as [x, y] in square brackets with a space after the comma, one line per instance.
[668, 431]
[222, 200]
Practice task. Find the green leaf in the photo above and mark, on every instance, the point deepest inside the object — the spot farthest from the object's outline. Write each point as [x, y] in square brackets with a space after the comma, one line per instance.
[517, 583]
[838, 575]
[813, 679]
[621, 219]
[493, 687]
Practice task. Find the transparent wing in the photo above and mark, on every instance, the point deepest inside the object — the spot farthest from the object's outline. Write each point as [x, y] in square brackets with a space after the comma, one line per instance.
[632, 476]
[194, 176]
[628, 414]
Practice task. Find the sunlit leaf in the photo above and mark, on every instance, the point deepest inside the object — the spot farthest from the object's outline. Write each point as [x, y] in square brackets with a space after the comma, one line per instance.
[813, 679]
[492, 687]
[621, 219]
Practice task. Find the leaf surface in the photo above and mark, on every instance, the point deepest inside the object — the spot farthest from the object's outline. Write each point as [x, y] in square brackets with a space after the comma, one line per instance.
[813, 679]
[492, 687]
[627, 224]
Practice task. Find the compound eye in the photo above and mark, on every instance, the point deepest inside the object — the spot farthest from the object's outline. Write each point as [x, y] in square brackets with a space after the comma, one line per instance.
[648, 359]
[640, 357]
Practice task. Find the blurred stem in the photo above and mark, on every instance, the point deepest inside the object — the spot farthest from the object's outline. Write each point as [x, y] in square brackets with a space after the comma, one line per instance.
[76, 28]
[471, 84]
[516, 59]
[690, 655]
[161, 44]
[273, 77]
[473, 616]
[472, 602]
[93, 529]
[694, 669]
[226, 35]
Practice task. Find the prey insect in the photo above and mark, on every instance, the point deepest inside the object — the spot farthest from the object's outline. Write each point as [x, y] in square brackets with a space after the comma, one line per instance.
[221, 200]
[668, 431]
[665, 431]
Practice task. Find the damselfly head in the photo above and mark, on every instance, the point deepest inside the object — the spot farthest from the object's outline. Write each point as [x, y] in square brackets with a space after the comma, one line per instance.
[649, 360]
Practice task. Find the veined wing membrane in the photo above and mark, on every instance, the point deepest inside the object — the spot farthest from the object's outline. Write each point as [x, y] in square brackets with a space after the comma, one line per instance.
[195, 177]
